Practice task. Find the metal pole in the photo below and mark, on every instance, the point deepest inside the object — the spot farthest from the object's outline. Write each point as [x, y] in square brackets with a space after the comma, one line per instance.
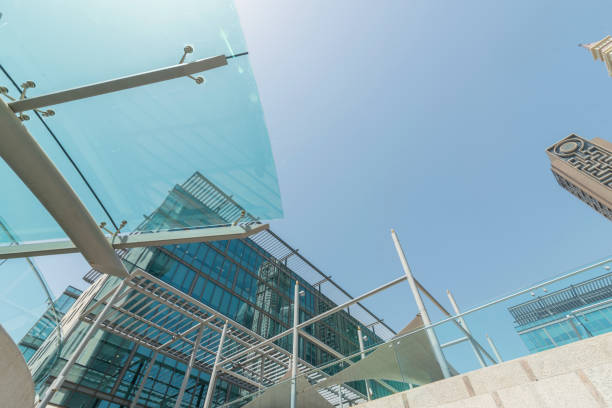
[192, 359]
[467, 329]
[433, 339]
[144, 380]
[499, 359]
[447, 314]
[294, 358]
[367, 383]
[340, 395]
[213, 376]
[114, 85]
[59, 381]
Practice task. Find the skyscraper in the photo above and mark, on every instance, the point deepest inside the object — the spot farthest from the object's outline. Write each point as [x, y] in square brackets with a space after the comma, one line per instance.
[240, 278]
[584, 168]
[602, 50]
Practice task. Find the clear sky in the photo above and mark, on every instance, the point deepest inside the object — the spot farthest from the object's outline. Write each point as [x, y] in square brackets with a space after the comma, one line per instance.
[431, 118]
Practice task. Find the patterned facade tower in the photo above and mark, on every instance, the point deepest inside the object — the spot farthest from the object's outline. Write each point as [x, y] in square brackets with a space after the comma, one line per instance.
[602, 50]
[584, 168]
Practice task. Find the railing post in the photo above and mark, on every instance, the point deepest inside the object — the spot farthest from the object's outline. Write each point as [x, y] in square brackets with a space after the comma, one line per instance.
[367, 383]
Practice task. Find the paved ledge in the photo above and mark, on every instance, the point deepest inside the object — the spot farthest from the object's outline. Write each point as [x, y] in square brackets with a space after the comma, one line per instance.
[577, 375]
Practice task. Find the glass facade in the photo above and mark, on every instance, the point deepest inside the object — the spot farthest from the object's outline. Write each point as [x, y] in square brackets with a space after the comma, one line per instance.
[574, 313]
[48, 322]
[237, 278]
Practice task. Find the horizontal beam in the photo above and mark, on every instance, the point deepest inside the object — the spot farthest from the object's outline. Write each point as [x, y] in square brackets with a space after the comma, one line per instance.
[114, 85]
[316, 318]
[453, 342]
[147, 239]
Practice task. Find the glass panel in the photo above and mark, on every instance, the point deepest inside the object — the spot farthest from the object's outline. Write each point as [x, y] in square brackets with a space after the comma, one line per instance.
[136, 146]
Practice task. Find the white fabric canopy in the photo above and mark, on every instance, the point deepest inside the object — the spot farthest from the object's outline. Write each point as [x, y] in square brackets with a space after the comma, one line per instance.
[278, 396]
[409, 360]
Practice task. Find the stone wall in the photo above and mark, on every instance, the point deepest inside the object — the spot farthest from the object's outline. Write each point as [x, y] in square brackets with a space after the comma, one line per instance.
[577, 375]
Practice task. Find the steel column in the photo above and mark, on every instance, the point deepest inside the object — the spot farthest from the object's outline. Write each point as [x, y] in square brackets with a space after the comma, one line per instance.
[367, 383]
[499, 359]
[294, 357]
[213, 376]
[462, 322]
[144, 379]
[433, 339]
[57, 383]
[192, 360]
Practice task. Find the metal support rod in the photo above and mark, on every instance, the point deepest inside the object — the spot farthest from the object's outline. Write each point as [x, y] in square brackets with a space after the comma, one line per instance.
[294, 355]
[340, 396]
[454, 342]
[447, 314]
[462, 322]
[29, 161]
[367, 383]
[59, 381]
[119, 84]
[499, 359]
[433, 339]
[144, 379]
[317, 318]
[192, 360]
[213, 376]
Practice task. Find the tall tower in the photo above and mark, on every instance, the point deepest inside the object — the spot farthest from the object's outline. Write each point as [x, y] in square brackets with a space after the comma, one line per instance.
[584, 168]
[602, 50]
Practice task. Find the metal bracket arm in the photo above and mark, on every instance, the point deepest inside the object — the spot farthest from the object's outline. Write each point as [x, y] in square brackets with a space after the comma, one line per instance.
[114, 85]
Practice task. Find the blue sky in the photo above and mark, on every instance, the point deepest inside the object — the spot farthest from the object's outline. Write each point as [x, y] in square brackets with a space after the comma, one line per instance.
[431, 118]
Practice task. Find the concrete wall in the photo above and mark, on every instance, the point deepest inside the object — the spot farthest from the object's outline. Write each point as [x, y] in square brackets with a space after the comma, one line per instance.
[577, 375]
[16, 386]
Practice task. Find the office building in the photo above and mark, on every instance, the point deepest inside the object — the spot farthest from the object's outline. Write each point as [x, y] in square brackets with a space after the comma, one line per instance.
[48, 322]
[602, 50]
[567, 315]
[240, 279]
[584, 168]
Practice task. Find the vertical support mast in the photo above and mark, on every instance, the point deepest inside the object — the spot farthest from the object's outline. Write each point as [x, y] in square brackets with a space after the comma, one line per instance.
[465, 326]
[433, 339]
[194, 353]
[213, 376]
[294, 358]
[361, 348]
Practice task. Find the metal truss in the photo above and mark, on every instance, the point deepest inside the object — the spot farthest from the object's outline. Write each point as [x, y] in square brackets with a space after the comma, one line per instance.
[160, 317]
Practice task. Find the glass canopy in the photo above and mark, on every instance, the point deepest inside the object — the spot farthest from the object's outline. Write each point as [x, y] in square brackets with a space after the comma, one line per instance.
[135, 146]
